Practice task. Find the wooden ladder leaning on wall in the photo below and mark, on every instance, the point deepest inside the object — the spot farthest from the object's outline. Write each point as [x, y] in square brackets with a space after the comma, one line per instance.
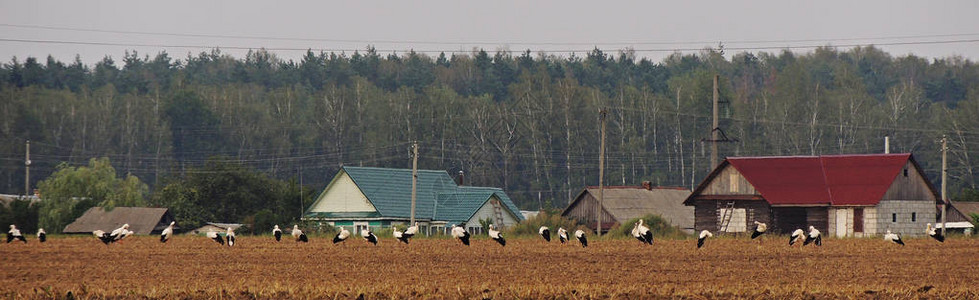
[497, 213]
[726, 217]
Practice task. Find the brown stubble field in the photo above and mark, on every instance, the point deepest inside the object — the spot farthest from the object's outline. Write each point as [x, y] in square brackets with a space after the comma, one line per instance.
[196, 267]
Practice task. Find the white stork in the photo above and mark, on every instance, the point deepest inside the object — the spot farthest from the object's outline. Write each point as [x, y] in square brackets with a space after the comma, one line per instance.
[167, 232]
[935, 234]
[126, 233]
[230, 236]
[119, 233]
[103, 236]
[893, 238]
[562, 235]
[460, 233]
[760, 229]
[813, 236]
[41, 235]
[277, 233]
[214, 236]
[297, 234]
[14, 234]
[580, 235]
[411, 231]
[369, 236]
[703, 237]
[545, 233]
[797, 236]
[342, 235]
[642, 233]
[496, 235]
[400, 235]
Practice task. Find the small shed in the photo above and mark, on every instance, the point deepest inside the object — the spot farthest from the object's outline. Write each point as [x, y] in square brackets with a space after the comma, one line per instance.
[622, 203]
[216, 227]
[141, 220]
[958, 218]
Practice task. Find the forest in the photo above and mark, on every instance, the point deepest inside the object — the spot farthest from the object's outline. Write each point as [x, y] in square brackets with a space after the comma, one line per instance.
[525, 122]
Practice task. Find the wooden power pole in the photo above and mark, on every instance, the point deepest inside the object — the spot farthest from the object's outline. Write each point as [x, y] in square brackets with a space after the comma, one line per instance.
[601, 175]
[944, 180]
[714, 129]
[27, 170]
[414, 179]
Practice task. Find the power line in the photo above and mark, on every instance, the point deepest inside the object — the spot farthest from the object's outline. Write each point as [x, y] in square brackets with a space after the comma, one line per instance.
[786, 47]
[634, 42]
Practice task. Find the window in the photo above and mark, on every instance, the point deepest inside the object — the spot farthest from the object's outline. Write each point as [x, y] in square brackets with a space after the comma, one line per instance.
[905, 172]
[893, 218]
[914, 217]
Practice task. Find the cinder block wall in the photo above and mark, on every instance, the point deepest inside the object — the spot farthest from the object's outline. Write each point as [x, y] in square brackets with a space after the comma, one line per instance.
[924, 212]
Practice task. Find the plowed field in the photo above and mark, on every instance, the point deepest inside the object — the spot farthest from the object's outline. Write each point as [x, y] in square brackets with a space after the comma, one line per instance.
[196, 267]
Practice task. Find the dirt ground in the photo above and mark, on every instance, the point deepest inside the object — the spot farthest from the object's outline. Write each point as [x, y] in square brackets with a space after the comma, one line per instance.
[195, 267]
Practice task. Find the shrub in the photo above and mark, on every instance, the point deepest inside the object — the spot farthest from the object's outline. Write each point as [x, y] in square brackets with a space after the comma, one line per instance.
[661, 228]
[529, 227]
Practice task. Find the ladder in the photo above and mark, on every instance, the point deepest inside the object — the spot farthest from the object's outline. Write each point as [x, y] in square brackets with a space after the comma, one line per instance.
[726, 217]
[497, 213]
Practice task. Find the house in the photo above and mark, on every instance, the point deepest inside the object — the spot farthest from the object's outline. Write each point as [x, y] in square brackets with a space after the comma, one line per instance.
[841, 195]
[362, 197]
[216, 227]
[141, 220]
[622, 203]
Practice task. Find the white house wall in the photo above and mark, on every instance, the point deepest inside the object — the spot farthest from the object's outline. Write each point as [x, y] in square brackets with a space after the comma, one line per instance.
[487, 212]
[342, 195]
[896, 216]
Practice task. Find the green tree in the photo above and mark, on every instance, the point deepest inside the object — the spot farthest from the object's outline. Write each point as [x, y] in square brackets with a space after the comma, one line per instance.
[70, 191]
[223, 191]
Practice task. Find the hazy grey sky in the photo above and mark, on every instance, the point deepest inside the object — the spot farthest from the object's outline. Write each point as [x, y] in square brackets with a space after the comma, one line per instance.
[94, 29]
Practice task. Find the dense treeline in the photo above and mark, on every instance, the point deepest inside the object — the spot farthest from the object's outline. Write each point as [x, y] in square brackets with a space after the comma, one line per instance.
[522, 121]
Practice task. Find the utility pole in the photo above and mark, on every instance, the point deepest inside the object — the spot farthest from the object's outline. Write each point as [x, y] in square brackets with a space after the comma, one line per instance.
[944, 181]
[302, 205]
[414, 179]
[601, 174]
[714, 129]
[27, 170]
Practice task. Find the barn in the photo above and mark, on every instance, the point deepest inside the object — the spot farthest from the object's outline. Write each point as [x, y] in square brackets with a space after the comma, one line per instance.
[622, 203]
[141, 220]
[362, 197]
[841, 195]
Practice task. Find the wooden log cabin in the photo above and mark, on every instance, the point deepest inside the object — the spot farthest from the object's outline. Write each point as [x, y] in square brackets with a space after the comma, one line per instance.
[841, 195]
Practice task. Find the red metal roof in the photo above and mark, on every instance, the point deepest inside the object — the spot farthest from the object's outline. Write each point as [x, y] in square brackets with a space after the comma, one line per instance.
[821, 180]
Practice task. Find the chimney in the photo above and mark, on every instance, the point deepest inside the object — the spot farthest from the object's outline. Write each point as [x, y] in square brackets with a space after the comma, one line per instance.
[647, 185]
[461, 177]
[887, 144]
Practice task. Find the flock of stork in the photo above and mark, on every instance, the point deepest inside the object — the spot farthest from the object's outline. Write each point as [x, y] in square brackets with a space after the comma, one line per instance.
[640, 231]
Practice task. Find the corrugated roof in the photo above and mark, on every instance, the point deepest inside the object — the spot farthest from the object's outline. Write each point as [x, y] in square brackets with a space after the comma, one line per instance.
[959, 211]
[389, 190]
[628, 202]
[966, 208]
[141, 220]
[821, 180]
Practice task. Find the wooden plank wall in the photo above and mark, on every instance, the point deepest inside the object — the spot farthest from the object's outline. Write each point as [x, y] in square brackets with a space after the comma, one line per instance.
[729, 182]
[584, 211]
[909, 187]
[707, 213]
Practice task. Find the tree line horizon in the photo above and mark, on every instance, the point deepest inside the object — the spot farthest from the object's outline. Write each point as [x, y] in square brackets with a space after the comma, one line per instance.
[525, 122]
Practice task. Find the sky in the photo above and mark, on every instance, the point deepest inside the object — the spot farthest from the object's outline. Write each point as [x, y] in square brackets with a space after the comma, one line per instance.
[654, 29]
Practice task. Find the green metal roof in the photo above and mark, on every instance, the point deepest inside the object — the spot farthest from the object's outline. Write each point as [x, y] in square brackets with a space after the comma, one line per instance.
[389, 190]
[338, 215]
